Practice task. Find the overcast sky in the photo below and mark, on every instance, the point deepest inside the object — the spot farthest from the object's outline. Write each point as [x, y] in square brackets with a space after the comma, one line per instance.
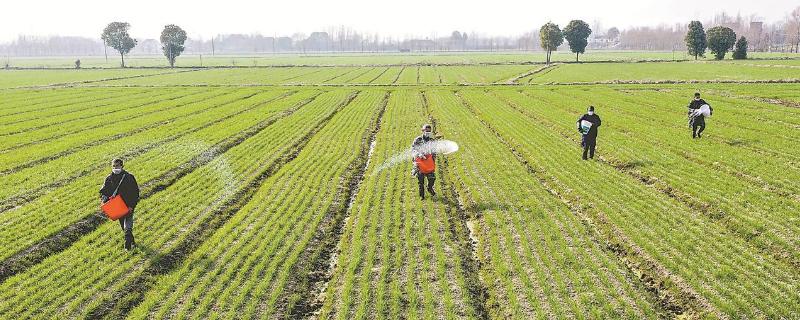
[396, 18]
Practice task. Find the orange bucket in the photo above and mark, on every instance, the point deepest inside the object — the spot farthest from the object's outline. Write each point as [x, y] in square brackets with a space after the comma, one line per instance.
[426, 164]
[115, 208]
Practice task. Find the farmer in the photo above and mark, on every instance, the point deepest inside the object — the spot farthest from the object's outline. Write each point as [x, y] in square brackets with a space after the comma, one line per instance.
[122, 183]
[424, 161]
[697, 121]
[589, 137]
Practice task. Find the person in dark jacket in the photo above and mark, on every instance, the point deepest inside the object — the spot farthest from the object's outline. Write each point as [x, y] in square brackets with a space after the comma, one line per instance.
[426, 158]
[124, 184]
[589, 138]
[697, 121]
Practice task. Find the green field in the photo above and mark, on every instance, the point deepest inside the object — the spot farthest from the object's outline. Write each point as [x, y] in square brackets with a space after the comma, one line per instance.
[262, 198]
[662, 71]
[25, 78]
[358, 59]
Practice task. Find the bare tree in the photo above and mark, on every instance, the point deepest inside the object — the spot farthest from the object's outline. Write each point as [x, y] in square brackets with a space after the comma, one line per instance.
[792, 27]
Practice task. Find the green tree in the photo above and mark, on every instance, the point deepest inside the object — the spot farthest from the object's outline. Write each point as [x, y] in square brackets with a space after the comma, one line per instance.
[720, 41]
[550, 37]
[577, 32]
[696, 40]
[740, 53]
[172, 39]
[116, 35]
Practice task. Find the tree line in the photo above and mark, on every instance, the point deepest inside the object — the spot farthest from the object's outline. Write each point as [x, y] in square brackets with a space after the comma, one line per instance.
[719, 40]
[753, 35]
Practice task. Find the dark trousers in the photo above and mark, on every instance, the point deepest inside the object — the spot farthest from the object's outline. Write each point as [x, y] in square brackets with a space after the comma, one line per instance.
[421, 179]
[588, 143]
[697, 128]
[126, 223]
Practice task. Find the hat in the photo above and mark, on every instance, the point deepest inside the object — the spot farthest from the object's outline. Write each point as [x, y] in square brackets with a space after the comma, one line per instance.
[591, 108]
[426, 127]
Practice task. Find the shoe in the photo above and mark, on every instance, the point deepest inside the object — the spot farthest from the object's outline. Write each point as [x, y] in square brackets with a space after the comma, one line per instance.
[128, 241]
[422, 197]
[433, 193]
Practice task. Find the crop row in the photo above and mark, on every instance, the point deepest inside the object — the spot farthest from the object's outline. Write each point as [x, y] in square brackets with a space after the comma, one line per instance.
[397, 256]
[409, 75]
[738, 130]
[13, 100]
[785, 92]
[66, 167]
[103, 103]
[710, 180]
[707, 262]
[86, 282]
[537, 256]
[711, 172]
[19, 78]
[601, 72]
[192, 137]
[736, 133]
[23, 104]
[37, 146]
[255, 265]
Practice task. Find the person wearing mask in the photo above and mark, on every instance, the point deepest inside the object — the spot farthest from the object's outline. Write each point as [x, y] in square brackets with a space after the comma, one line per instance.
[587, 126]
[424, 161]
[697, 121]
[122, 183]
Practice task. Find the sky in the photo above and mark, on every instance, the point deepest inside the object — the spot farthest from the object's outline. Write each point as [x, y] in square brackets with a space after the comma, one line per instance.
[397, 18]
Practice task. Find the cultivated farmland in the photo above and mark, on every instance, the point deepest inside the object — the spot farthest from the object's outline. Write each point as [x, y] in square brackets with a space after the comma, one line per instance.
[265, 192]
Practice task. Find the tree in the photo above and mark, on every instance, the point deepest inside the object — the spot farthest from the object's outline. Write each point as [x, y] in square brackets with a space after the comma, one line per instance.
[612, 33]
[720, 41]
[696, 39]
[740, 53]
[577, 32]
[459, 39]
[172, 39]
[550, 37]
[116, 36]
[792, 27]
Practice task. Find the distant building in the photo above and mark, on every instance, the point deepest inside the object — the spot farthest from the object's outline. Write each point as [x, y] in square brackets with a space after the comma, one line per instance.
[755, 36]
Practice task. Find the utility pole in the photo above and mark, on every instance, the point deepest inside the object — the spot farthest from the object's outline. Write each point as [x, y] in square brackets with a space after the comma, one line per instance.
[105, 50]
[212, 46]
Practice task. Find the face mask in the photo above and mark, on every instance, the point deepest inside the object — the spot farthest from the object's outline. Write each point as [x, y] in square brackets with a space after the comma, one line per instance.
[116, 171]
[426, 134]
[591, 113]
